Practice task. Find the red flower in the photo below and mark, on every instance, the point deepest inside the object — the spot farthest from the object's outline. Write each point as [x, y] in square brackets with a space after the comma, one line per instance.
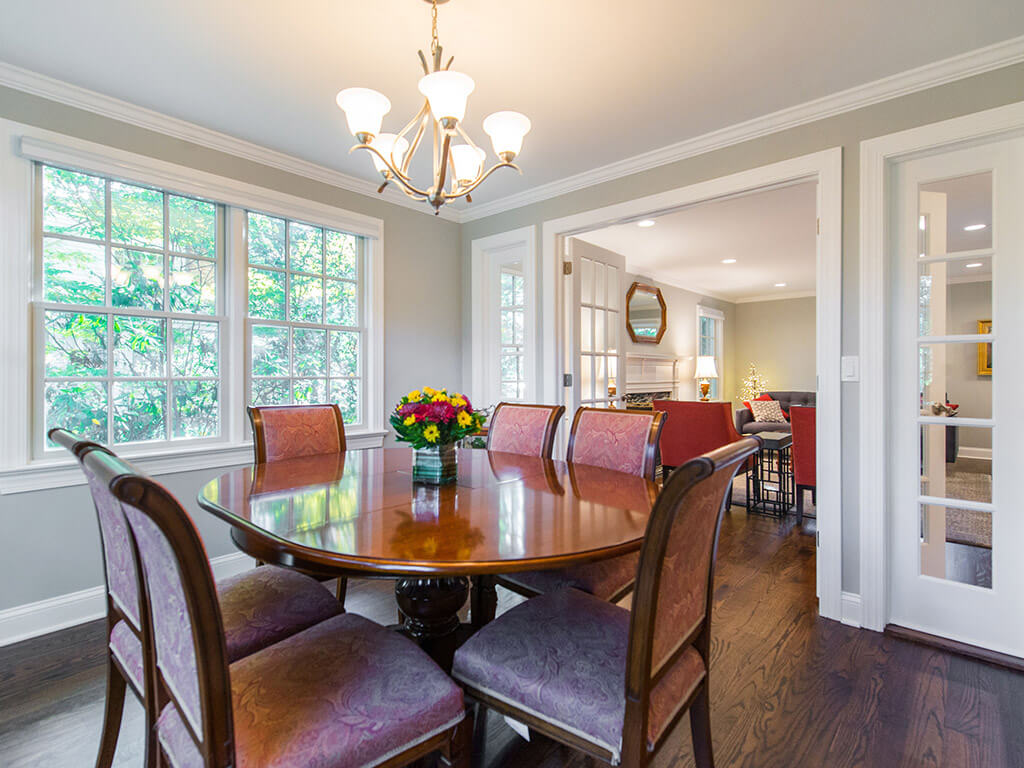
[439, 413]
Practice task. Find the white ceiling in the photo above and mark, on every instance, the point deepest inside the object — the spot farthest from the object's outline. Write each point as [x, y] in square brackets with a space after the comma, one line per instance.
[601, 80]
[771, 235]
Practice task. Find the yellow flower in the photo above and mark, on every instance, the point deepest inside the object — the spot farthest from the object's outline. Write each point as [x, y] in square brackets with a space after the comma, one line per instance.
[431, 433]
[430, 391]
[464, 419]
[439, 397]
[409, 421]
[458, 400]
[414, 396]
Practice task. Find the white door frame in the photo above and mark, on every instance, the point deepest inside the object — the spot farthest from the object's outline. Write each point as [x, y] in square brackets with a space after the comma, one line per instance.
[482, 305]
[826, 167]
[877, 157]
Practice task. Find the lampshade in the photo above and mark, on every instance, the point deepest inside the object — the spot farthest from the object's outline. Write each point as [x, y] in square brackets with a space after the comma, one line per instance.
[705, 368]
[386, 145]
[447, 93]
[507, 130]
[468, 161]
[364, 109]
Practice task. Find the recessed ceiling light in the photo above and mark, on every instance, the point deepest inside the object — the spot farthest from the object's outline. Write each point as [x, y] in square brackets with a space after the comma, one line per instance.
[780, 285]
[975, 265]
[728, 261]
[646, 223]
[974, 227]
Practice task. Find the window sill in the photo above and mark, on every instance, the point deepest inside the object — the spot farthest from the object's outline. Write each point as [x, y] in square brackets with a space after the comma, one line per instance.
[62, 473]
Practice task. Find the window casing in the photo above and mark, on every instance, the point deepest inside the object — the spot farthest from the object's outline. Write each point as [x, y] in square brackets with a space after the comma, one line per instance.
[710, 342]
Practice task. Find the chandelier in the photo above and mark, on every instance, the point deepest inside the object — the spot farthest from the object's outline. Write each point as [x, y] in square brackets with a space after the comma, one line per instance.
[458, 161]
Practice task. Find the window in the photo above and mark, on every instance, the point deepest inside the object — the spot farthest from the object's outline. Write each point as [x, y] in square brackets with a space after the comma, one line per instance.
[128, 312]
[513, 324]
[710, 324]
[305, 309]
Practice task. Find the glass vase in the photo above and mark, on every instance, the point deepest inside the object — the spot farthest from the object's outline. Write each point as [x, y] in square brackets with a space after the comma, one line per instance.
[434, 465]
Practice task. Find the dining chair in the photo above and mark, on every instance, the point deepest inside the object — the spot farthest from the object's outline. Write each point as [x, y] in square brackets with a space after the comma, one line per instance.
[259, 607]
[610, 681]
[343, 692]
[803, 420]
[523, 428]
[621, 440]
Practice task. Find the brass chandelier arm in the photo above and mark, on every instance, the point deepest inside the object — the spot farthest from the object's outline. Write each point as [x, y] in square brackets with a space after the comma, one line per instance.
[482, 177]
[465, 136]
[400, 180]
[414, 145]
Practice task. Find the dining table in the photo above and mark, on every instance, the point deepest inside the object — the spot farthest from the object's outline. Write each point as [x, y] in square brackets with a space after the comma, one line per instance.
[359, 513]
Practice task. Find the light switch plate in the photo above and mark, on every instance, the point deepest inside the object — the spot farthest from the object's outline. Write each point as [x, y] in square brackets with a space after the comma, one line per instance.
[850, 368]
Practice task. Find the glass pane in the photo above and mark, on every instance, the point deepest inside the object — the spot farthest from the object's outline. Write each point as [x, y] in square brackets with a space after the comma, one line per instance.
[342, 254]
[518, 322]
[139, 346]
[613, 288]
[955, 296]
[79, 407]
[136, 215]
[342, 303]
[956, 214]
[266, 240]
[586, 377]
[508, 334]
[519, 290]
[73, 204]
[586, 281]
[952, 379]
[196, 351]
[344, 353]
[192, 226]
[509, 390]
[586, 329]
[136, 279]
[305, 248]
[76, 344]
[600, 299]
[309, 352]
[196, 409]
[271, 391]
[266, 294]
[345, 392]
[309, 390]
[956, 544]
[613, 332]
[510, 368]
[269, 351]
[139, 410]
[599, 327]
[193, 286]
[73, 273]
[600, 378]
[307, 304]
[947, 469]
[507, 290]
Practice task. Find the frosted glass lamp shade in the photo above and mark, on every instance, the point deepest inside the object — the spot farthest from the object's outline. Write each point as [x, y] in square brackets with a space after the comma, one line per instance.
[468, 160]
[447, 93]
[706, 368]
[394, 151]
[507, 130]
[364, 110]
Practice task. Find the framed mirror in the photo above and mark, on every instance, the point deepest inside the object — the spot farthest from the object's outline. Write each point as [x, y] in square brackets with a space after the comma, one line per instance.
[645, 313]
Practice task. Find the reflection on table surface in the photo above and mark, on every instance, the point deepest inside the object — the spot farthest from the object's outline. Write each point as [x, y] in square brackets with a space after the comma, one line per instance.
[504, 507]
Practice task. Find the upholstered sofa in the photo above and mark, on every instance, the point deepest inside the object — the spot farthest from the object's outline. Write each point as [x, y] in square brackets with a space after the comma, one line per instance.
[746, 425]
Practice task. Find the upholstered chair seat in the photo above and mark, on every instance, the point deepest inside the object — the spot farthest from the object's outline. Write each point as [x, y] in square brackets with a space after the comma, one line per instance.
[347, 692]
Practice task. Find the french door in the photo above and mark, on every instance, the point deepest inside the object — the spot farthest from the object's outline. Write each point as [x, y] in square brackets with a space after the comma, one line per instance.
[956, 521]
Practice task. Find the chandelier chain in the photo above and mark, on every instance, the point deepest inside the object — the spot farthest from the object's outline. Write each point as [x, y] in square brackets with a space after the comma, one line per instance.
[433, 27]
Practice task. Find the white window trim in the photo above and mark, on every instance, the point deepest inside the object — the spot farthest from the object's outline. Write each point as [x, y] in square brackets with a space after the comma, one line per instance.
[23, 145]
[719, 316]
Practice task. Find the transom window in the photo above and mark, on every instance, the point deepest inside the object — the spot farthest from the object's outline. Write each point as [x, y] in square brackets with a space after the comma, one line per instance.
[513, 324]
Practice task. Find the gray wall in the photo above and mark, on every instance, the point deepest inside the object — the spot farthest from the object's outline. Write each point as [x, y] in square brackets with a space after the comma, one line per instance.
[778, 336]
[847, 130]
[57, 548]
[966, 304]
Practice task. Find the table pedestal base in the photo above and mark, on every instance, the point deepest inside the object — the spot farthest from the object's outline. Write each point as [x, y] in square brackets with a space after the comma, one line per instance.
[430, 607]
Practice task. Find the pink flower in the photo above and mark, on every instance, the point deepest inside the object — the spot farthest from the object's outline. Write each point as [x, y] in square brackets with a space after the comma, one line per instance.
[439, 413]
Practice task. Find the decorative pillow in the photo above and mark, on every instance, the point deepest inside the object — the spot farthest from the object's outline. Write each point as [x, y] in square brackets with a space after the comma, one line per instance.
[746, 403]
[767, 410]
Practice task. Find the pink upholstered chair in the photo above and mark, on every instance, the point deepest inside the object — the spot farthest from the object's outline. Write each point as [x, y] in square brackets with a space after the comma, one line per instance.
[258, 607]
[343, 692]
[293, 431]
[525, 429]
[642, 670]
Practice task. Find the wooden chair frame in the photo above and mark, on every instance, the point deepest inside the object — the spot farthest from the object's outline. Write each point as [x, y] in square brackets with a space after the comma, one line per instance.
[640, 675]
[550, 428]
[259, 435]
[651, 449]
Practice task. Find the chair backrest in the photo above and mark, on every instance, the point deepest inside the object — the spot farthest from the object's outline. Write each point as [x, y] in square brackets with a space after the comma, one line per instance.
[119, 566]
[523, 428]
[804, 424]
[188, 661]
[694, 428]
[616, 439]
[675, 581]
[292, 431]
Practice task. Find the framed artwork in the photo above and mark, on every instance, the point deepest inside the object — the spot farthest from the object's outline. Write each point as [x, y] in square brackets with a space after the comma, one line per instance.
[985, 350]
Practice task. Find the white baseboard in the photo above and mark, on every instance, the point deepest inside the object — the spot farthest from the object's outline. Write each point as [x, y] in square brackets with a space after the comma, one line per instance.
[851, 609]
[34, 619]
[965, 452]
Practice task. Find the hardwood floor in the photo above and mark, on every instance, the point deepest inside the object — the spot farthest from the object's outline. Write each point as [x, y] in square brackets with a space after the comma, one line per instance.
[788, 690]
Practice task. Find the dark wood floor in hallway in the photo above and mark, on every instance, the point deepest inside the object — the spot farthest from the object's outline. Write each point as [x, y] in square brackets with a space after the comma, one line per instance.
[788, 690]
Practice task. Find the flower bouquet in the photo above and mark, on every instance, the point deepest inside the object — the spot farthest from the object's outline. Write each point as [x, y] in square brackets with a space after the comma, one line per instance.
[433, 421]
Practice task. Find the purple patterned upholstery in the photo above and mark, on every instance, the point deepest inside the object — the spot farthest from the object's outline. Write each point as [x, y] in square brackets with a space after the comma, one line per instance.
[520, 429]
[265, 605]
[347, 692]
[300, 430]
[174, 738]
[603, 578]
[117, 550]
[612, 439]
[127, 649]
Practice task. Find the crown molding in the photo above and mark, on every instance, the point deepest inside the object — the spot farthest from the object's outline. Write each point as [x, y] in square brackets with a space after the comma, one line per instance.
[774, 297]
[958, 67]
[62, 92]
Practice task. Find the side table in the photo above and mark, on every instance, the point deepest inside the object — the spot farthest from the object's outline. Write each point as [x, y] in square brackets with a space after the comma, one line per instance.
[770, 488]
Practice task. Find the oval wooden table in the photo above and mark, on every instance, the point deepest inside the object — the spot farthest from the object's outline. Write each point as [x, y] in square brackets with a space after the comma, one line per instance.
[360, 513]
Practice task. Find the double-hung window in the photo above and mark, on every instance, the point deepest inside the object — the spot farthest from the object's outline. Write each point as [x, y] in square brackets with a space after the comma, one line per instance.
[513, 331]
[710, 342]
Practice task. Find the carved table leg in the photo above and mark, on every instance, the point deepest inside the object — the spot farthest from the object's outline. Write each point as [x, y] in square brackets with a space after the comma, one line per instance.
[484, 601]
[431, 610]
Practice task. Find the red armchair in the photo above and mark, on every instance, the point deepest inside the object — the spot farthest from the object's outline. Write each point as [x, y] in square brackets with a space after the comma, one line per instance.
[805, 470]
[692, 429]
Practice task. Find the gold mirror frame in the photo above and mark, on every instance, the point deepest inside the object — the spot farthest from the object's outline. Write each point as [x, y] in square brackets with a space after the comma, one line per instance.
[656, 292]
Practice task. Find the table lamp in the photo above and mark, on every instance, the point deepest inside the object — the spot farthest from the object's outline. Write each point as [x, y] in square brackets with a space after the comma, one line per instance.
[705, 372]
